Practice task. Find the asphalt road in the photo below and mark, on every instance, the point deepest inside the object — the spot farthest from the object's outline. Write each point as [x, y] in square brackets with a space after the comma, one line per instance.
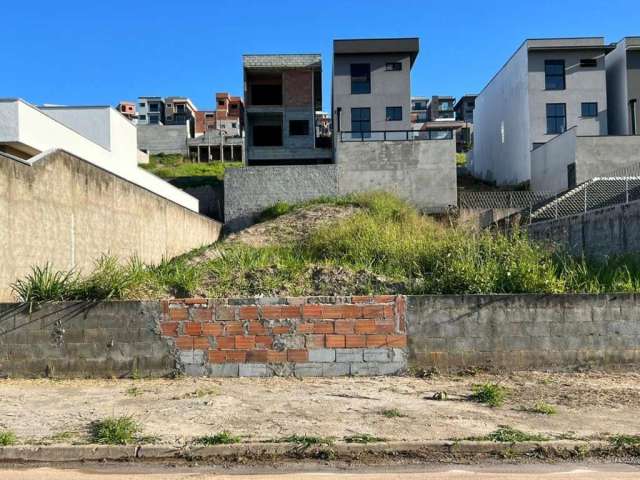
[499, 472]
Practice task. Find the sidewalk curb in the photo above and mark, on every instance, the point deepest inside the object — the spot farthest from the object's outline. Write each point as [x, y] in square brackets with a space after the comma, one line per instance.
[441, 451]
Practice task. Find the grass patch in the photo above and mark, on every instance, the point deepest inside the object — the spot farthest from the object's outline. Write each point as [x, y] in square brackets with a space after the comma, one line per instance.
[184, 173]
[542, 408]
[133, 392]
[363, 438]
[625, 440]
[222, 438]
[386, 246]
[7, 437]
[115, 430]
[507, 434]
[490, 394]
[306, 441]
[393, 413]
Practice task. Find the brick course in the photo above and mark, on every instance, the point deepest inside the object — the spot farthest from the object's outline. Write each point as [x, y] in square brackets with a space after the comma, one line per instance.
[317, 336]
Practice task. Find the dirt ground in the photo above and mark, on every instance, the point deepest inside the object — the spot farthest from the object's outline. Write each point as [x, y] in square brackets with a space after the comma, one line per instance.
[175, 411]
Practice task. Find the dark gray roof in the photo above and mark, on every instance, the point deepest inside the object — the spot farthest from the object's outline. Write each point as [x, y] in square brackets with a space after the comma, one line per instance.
[307, 60]
[377, 45]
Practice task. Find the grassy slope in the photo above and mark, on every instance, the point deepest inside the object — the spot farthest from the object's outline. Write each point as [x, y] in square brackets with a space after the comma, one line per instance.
[183, 173]
[385, 247]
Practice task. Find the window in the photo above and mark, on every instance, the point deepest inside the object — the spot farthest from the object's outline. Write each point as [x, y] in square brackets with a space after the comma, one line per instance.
[393, 67]
[234, 125]
[154, 107]
[142, 117]
[169, 118]
[266, 94]
[360, 121]
[221, 103]
[267, 135]
[394, 114]
[589, 109]
[209, 115]
[556, 118]
[419, 105]
[168, 105]
[142, 104]
[180, 108]
[360, 78]
[421, 117]
[298, 127]
[588, 62]
[634, 118]
[554, 75]
[154, 119]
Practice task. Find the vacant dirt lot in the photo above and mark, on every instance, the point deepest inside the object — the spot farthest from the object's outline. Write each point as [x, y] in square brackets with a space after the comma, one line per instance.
[176, 411]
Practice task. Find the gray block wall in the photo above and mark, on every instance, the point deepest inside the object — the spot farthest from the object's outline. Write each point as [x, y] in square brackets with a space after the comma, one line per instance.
[163, 138]
[422, 172]
[607, 231]
[83, 339]
[511, 332]
[248, 191]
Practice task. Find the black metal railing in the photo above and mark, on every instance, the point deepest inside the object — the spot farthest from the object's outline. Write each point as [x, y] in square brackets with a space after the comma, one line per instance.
[395, 135]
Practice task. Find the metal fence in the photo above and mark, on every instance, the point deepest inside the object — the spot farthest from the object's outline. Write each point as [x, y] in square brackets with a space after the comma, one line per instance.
[507, 199]
[395, 135]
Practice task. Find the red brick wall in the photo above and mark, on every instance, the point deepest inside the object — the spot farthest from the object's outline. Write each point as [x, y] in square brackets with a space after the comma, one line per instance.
[298, 88]
[246, 331]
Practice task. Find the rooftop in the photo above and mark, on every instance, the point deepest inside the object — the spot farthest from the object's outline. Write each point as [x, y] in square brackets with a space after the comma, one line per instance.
[568, 43]
[307, 60]
[377, 45]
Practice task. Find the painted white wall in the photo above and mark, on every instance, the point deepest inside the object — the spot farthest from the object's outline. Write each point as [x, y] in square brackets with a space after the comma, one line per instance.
[22, 123]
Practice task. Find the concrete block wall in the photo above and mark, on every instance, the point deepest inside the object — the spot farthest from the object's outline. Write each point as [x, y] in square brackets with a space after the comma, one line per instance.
[306, 336]
[520, 332]
[598, 233]
[248, 191]
[163, 138]
[83, 339]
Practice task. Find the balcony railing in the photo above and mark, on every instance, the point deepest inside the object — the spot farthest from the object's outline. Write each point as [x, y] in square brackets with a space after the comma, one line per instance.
[395, 135]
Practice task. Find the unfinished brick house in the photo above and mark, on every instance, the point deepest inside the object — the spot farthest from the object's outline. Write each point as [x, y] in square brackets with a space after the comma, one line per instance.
[282, 94]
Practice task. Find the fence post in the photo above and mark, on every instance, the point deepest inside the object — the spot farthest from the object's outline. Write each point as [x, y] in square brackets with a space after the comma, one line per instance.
[585, 197]
[626, 189]
[556, 203]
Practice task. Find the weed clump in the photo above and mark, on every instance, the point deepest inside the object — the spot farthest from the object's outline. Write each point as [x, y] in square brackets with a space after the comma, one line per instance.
[507, 434]
[222, 438]
[7, 437]
[115, 430]
[363, 438]
[490, 394]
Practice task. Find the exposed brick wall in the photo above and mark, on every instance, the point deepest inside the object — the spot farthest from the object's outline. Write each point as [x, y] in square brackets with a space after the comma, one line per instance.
[297, 88]
[306, 336]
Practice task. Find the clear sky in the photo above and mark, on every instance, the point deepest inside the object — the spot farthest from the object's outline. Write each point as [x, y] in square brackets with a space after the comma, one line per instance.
[99, 52]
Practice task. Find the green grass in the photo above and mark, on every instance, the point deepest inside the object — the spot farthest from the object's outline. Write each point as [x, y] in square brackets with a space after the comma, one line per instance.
[386, 246]
[625, 440]
[393, 413]
[7, 437]
[115, 430]
[184, 173]
[306, 441]
[461, 159]
[508, 434]
[542, 408]
[490, 394]
[363, 438]
[222, 438]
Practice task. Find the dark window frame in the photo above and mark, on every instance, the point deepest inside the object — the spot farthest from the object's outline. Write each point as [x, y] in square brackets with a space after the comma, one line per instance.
[556, 128]
[550, 76]
[390, 112]
[295, 132]
[586, 113]
[633, 113]
[360, 123]
[393, 67]
[361, 80]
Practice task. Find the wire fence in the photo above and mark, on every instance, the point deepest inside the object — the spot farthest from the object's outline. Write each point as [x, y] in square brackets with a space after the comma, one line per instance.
[507, 199]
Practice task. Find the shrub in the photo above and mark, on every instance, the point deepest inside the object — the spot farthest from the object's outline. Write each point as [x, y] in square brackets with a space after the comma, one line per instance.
[306, 441]
[222, 438]
[7, 437]
[393, 413]
[46, 284]
[490, 394]
[543, 409]
[114, 430]
[624, 440]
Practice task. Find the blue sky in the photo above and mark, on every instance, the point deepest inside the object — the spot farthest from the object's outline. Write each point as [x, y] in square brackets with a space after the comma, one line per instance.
[98, 52]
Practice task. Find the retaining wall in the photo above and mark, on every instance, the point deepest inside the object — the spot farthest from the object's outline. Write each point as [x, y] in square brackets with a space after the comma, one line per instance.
[319, 336]
[163, 138]
[248, 191]
[598, 233]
